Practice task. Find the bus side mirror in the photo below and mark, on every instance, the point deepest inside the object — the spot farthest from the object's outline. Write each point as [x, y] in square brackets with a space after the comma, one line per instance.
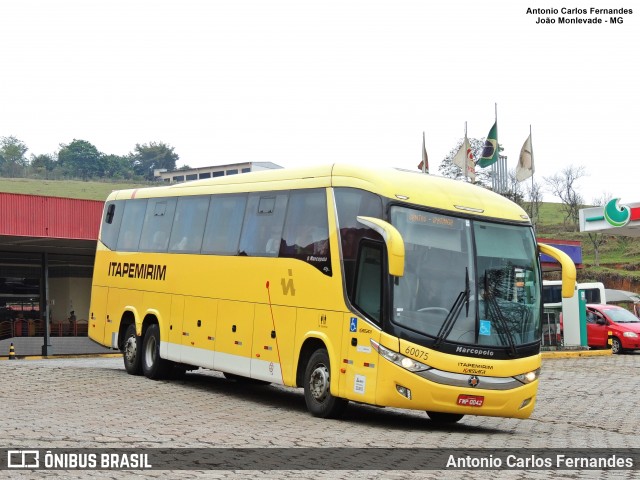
[568, 268]
[393, 241]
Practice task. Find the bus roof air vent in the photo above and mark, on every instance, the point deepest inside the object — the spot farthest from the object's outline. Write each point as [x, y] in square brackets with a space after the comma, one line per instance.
[470, 209]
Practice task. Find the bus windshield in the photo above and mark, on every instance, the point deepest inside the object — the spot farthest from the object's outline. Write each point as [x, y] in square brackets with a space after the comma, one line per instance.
[467, 281]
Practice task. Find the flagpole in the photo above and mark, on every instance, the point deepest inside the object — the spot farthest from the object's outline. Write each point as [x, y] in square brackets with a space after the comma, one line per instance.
[532, 173]
[495, 181]
[465, 151]
[424, 167]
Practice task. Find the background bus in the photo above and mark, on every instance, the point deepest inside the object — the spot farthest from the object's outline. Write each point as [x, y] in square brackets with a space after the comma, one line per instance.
[379, 286]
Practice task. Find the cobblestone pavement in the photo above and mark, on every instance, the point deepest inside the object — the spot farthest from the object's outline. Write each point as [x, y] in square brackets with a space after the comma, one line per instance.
[92, 402]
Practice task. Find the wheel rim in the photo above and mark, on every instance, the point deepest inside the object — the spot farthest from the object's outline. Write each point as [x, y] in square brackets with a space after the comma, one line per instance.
[319, 382]
[615, 346]
[150, 352]
[130, 349]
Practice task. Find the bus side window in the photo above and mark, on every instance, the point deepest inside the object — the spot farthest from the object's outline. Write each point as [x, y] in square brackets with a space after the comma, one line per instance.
[157, 224]
[131, 225]
[263, 223]
[224, 222]
[306, 230]
[368, 281]
[188, 224]
[111, 223]
[351, 202]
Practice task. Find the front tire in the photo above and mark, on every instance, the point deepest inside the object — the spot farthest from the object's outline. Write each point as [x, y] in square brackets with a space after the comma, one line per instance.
[317, 387]
[616, 346]
[444, 418]
[132, 351]
[153, 366]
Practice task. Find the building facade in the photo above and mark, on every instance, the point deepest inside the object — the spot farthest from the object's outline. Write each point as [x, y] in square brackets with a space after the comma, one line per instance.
[178, 176]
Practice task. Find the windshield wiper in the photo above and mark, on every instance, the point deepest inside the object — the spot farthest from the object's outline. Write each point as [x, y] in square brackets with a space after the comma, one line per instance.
[503, 330]
[454, 313]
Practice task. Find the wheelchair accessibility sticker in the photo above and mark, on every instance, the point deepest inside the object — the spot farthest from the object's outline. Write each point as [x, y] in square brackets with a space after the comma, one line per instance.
[485, 327]
[353, 326]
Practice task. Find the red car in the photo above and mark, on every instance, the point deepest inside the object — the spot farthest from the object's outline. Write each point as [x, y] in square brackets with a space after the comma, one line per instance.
[623, 325]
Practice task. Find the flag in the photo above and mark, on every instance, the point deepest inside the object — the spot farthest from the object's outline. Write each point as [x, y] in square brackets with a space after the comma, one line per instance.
[525, 166]
[465, 160]
[424, 164]
[490, 151]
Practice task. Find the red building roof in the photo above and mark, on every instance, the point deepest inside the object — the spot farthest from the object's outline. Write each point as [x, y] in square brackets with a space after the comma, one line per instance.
[49, 217]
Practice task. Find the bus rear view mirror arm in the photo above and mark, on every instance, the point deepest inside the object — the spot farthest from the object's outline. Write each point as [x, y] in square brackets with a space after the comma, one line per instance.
[568, 268]
[393, 241]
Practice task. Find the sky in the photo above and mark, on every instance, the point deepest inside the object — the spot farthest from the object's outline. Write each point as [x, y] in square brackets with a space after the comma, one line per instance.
[298, 82]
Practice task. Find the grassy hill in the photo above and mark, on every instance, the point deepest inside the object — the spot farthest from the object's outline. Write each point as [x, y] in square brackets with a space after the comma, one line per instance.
[64, 188]
[619, 256]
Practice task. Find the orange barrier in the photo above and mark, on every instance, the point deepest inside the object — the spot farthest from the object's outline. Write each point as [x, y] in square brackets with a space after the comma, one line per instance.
[35, 328]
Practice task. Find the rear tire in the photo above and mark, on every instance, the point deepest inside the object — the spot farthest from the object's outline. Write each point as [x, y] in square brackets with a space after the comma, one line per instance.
[444, 418]
[132, 351]
[153, 366]
[317, 388]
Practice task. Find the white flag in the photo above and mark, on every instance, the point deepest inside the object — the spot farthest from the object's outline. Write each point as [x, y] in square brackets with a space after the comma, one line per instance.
[424, 164]
[525, 166]
[464, 159]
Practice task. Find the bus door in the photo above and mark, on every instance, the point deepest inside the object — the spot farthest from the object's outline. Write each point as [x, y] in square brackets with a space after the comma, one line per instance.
[359, 366]
[272, 348]
[198, 331]
[174, 333]
[98, 314]
[234, 335]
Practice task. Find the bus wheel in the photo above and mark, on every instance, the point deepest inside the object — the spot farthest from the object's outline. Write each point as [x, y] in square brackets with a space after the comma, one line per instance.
[132, 351]
[616, 346]
[317, 382]
[153, 366]
[444, 418]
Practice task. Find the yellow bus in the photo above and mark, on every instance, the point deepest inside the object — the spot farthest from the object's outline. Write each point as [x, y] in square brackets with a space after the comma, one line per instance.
[384, 287]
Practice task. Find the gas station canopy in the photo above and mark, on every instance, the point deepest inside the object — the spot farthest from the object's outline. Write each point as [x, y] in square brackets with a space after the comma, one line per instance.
[613, 218]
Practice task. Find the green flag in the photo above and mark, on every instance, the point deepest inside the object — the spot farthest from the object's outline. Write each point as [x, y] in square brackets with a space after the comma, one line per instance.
[490, 151]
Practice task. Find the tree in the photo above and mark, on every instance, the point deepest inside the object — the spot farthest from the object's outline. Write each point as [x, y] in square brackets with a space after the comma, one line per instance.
[81, 159]
[597, 239]
[534, 193]
[42, 165]
[450, 170]
[563, 185]
[12, 156]
[514, 189]
[149, 157]
[118, 167]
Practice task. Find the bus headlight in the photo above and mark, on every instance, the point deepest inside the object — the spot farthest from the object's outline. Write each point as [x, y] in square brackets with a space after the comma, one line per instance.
[630, 334]
[399, 359]
[528, 377]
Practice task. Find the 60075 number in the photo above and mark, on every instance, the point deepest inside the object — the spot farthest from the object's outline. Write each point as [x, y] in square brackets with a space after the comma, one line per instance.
[417, 353]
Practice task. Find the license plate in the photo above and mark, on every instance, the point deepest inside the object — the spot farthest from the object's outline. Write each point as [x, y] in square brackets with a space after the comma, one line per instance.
[470, 400]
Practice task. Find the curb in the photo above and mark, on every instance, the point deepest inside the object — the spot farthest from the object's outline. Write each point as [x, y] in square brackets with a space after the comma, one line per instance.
[55, 357]
[576, 353]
